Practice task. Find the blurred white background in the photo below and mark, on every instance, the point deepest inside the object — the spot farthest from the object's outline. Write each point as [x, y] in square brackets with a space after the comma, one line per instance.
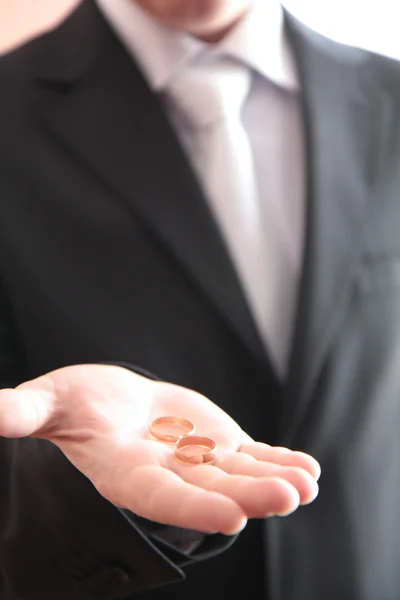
[373, 25]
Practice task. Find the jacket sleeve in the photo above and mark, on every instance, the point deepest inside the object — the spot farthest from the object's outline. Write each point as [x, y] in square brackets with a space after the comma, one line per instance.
[59, 538]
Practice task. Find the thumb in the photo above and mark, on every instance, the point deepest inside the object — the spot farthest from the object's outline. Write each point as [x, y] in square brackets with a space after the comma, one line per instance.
[24, 412]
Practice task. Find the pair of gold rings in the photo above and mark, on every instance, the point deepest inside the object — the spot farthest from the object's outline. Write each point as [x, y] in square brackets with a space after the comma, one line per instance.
[189, 448]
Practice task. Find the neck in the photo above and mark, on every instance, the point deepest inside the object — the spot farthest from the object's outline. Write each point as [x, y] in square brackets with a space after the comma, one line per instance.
[215, 36]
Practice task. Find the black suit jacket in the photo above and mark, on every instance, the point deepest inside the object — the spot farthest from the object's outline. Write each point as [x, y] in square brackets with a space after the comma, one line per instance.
[108, 252]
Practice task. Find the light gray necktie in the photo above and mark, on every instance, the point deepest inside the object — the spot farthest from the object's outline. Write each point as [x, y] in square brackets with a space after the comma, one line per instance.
[210, 96]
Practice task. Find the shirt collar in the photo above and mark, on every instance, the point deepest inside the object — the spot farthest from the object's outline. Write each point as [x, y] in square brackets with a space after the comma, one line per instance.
[258, 41]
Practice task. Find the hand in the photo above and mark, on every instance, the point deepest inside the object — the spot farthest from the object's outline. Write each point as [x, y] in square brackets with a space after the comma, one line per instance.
[99, 416]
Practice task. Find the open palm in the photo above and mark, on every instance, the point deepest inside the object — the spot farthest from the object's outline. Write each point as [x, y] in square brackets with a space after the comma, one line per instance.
[99, 417]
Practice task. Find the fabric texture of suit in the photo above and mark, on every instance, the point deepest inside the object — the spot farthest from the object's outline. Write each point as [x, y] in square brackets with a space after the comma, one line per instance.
[108, 253]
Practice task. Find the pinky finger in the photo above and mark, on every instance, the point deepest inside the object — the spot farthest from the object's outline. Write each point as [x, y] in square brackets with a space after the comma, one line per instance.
[283, 457]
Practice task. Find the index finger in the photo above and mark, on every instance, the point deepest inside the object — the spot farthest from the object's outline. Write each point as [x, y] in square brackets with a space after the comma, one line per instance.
[157, 494]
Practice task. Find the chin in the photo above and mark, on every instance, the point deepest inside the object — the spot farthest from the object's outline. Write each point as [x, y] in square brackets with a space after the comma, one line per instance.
[196, 15]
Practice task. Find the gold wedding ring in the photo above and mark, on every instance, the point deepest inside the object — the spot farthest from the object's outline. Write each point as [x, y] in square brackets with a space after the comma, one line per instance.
[195, 449]
[171, 429]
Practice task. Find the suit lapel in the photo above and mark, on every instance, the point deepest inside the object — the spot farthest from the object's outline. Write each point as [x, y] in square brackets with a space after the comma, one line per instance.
[344, 126]
[109, 120]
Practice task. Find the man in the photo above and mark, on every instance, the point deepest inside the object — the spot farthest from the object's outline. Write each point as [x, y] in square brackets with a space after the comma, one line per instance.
[203, 193]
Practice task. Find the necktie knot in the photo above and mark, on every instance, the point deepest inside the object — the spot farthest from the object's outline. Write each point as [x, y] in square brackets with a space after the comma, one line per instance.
[206, 92]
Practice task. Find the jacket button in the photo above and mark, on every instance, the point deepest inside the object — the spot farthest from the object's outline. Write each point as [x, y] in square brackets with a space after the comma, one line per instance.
[109, 581]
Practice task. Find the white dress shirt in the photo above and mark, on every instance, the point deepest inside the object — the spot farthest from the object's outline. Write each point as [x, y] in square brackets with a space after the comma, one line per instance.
[272, 121]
